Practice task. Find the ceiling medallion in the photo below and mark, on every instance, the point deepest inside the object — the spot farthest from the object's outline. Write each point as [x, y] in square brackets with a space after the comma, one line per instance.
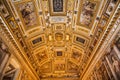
[59, 36]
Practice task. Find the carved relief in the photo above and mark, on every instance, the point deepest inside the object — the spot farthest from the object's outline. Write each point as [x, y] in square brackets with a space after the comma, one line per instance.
[59, 67]
[41, 56]
[45, 5]
[72, 67]
[59, 27]
[111, 7]
[25, 76]
[103, 22]
[70, 5]
[45, 68]
[3, 9]
[58, 19]
[76, 55]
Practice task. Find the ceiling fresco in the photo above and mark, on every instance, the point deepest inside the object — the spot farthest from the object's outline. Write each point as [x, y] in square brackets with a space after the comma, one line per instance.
[87, 13]
[58, 36]
[28, 14]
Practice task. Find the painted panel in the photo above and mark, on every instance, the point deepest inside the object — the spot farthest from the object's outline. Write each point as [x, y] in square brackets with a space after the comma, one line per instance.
[12, 23]
[37, 40]
[28, 14]
[59, 53]
[111, 7]
[87, 13]
[81, 40]
[58, 5]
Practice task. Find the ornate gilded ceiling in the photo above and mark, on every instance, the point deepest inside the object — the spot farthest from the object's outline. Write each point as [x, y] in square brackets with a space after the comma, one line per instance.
[57, 36]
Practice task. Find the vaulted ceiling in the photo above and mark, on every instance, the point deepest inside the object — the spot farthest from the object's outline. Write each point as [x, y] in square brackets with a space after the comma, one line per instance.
[58, 36]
